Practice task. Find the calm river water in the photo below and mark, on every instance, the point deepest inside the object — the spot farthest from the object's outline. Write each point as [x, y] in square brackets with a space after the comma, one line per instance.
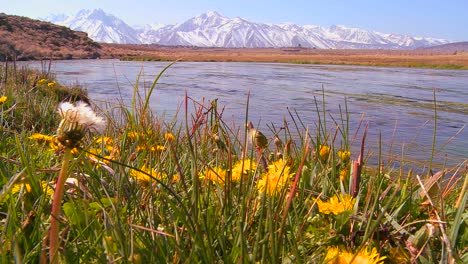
[396, 102]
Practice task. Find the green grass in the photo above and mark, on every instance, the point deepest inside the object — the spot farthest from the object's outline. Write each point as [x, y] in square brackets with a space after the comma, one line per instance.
[178, 216]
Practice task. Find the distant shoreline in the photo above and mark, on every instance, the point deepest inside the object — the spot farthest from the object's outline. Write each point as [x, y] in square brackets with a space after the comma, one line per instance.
[386, 58]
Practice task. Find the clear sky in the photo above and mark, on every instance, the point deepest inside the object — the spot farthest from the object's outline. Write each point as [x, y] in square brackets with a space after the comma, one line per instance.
[442, 19]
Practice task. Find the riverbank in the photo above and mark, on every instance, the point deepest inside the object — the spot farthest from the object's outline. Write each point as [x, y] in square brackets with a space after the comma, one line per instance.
[388, 58]
[144, 190]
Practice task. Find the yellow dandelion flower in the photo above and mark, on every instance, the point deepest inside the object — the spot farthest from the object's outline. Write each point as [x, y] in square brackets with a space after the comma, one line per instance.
[27, 188]
[75, 151]
[169, 137]
[158, 148]
[104, 139]
[344, 174]
[140, 148]
[336, 205]
[41, 138]
[42, 81]
[133, 135]
[216, 175]
[324, 151]
[51, 84]
[17, 188]
[175, 178]
[145, 175]
[344, 155]
[3, 99]
[239, 171]
[275, 179]
[365, 256]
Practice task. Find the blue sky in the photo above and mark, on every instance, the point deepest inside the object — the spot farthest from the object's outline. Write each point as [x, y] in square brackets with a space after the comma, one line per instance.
[441, 19]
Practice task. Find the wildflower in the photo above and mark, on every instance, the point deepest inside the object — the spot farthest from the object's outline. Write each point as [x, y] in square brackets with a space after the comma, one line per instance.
[336, 205]
[242, 168]
[76, 121]
[42, 139]
[27, 187]
[324, 151]
[51, 84]
[42, 81]
[365, 256]
[3, 99]
[169, 137]
[145, 174]
[344, 155]
[133, 135]
[216, 175]
[274, 180]
[105, 140]
[344, 174]
[140, 148]
[158, 148]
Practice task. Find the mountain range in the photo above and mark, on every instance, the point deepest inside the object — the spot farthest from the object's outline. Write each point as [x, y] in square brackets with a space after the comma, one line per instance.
[212, 29]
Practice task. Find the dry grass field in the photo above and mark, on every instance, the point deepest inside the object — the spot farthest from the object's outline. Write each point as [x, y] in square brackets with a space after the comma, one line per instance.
[401, 58]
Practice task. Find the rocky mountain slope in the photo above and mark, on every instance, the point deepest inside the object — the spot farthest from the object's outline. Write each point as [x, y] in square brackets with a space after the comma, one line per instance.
[23, 38]
[212, 29]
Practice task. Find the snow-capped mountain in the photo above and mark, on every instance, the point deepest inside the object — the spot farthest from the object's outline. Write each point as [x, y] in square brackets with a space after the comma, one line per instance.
[100, 26]
[212, 29]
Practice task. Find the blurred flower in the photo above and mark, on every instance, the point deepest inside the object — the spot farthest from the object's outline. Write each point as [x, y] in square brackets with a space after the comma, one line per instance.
[344, 174]
[365, 256]
[158, 148]
[42, 81]
[216, 175]
[76, 121]
[41, 139]
[274, 180]
[324, 151]
[105, 140]
[344, 155]
[27, 187]
[336, 205]
[51, 84]
[144, 174]
[242, 168]
[169, 137]
[133, 135]
[3, 99]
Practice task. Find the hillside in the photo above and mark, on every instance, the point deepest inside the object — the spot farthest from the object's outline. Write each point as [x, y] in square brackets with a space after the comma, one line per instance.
[25, 39]
[450, 47]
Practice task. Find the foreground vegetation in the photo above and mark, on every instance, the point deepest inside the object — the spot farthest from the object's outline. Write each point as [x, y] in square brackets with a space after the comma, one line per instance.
[147, 190]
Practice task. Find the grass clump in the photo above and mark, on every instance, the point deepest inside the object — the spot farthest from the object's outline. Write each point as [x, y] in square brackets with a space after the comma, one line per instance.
[147, 190]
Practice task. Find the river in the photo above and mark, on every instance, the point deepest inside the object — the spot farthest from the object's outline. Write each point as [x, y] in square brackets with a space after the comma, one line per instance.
[397, 103]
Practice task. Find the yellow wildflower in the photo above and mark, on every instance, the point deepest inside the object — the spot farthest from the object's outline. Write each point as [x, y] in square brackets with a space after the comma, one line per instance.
[239, 171]
[216, 175]
[365, 256]
[42, 81]
[175, 178]
[51, 84]
[140, 148]
[344, 155]
[105, 140]
[41, 139]
[158, 148]
[169, 137]
[337, 204]
[27, 187]
[275, 179]
[145, 175]
[344, 174]
[133, 135]
[3, 99]
[324, 151]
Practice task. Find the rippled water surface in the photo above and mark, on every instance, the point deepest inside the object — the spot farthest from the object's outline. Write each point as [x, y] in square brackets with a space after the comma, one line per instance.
[396, 102]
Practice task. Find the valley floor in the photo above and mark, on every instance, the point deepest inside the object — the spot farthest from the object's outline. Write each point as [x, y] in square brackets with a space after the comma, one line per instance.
[393, 58]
